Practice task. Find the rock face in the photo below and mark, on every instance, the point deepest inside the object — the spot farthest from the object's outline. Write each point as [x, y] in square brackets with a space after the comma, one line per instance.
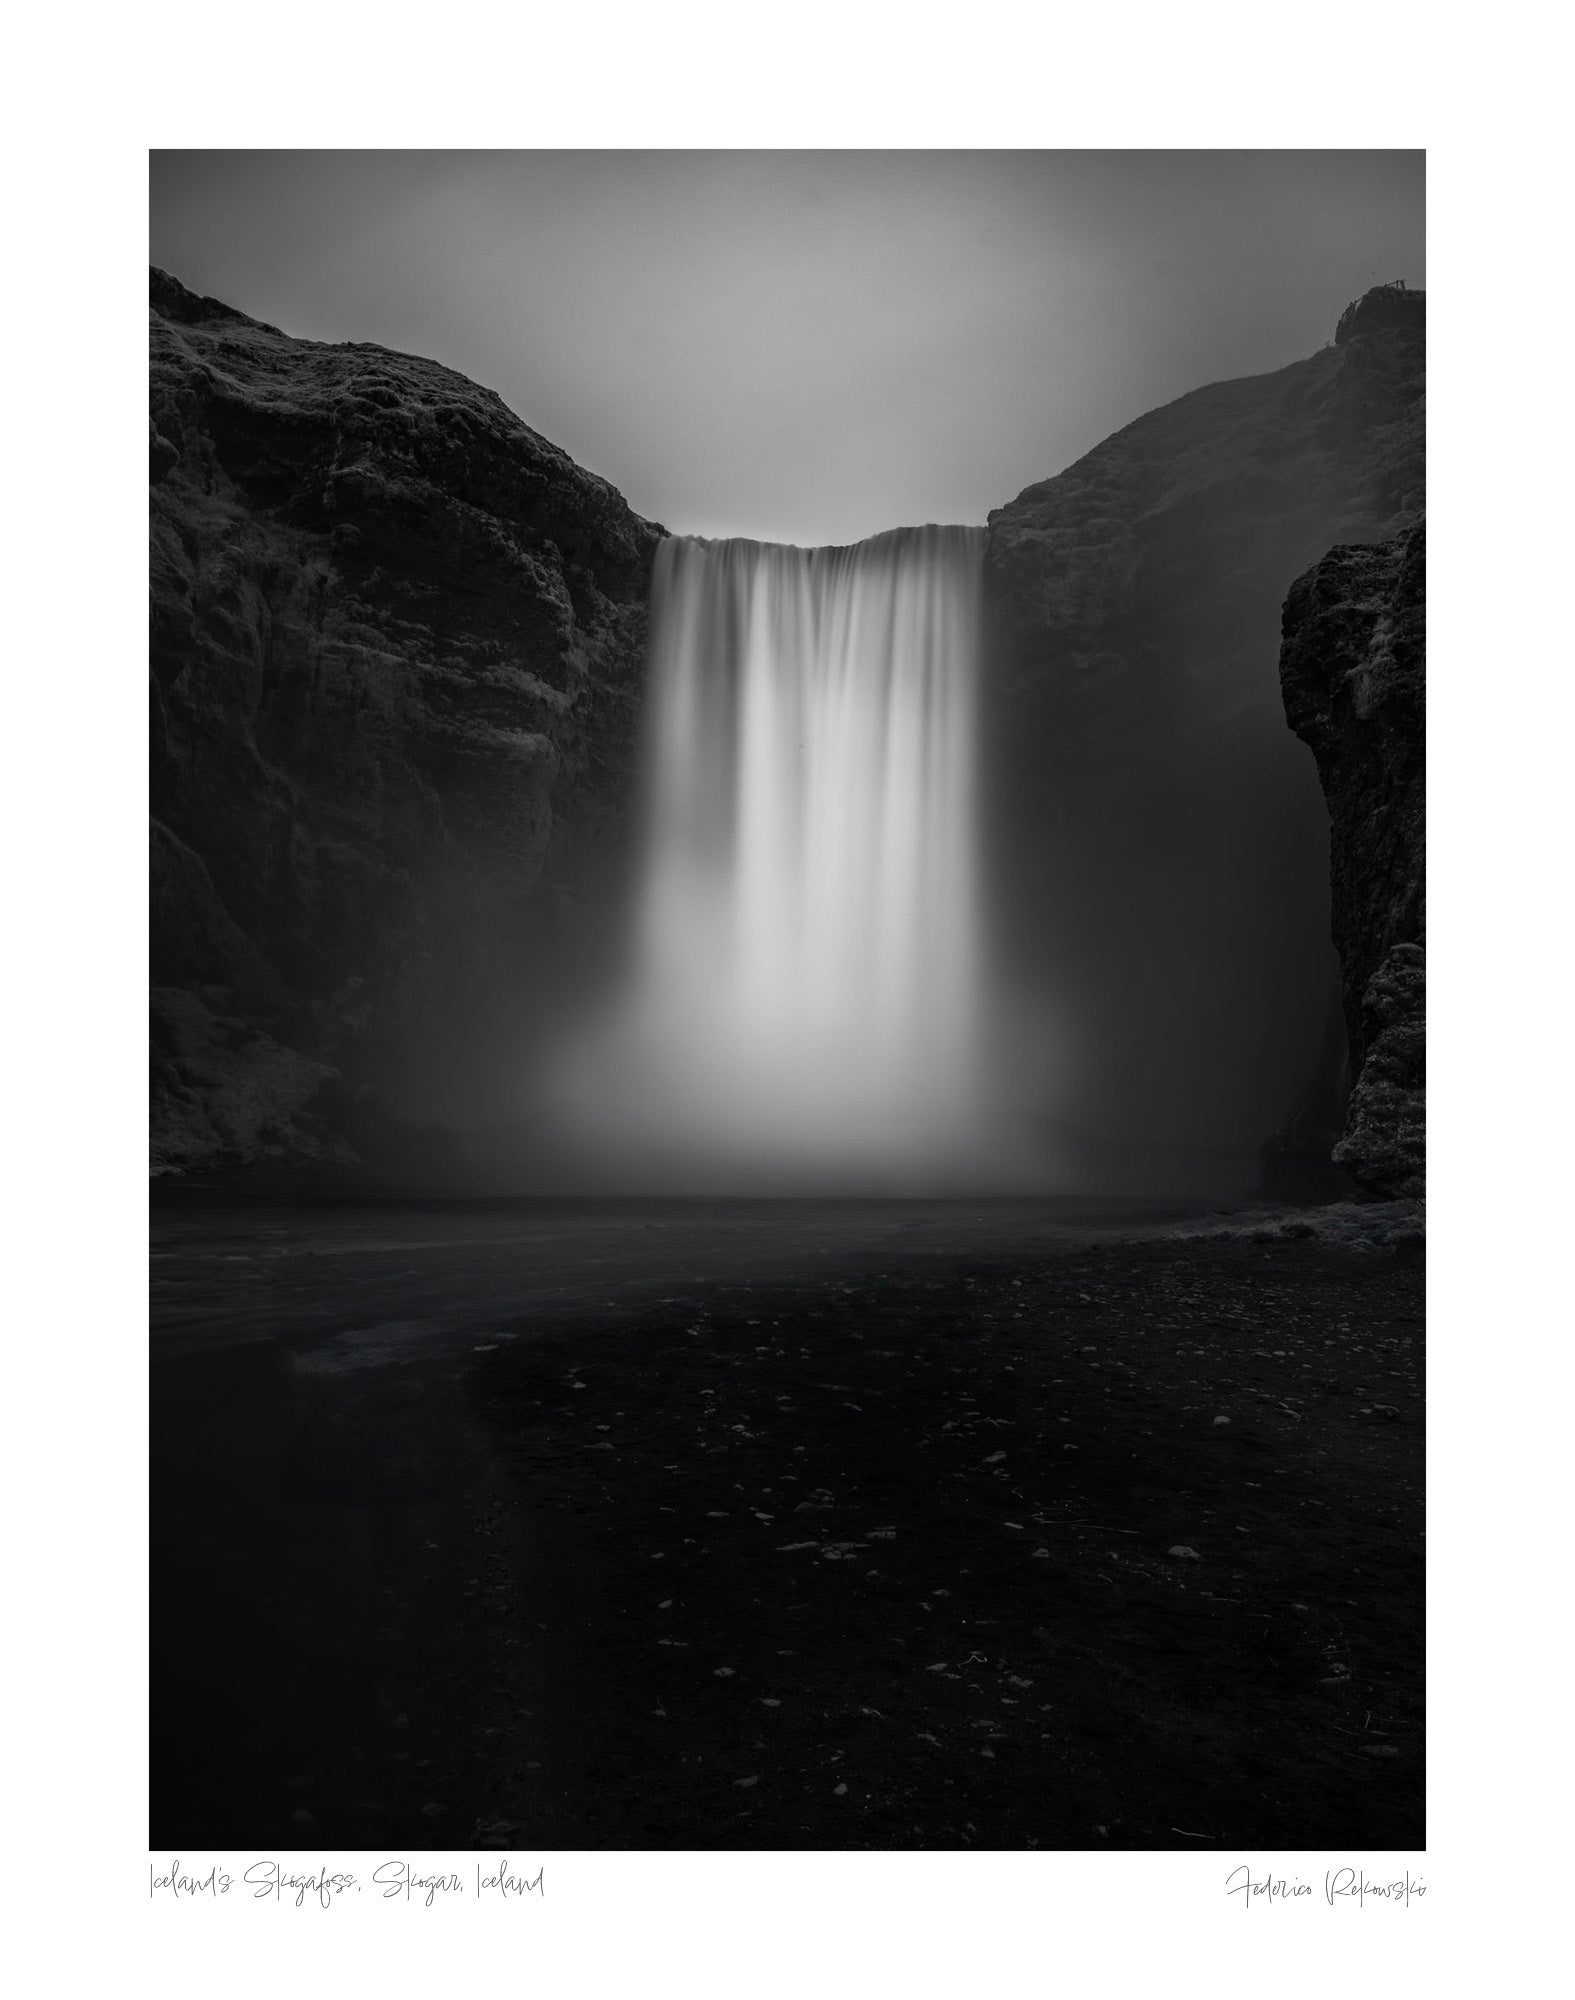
[397, 652]
[1353, 672]
[1157, 555]
[1162, 837]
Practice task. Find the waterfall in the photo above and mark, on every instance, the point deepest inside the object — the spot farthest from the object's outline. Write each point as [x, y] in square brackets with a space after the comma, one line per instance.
[804, 995]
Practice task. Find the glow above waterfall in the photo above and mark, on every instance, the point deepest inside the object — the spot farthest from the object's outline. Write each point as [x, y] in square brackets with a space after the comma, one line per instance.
[805, 986]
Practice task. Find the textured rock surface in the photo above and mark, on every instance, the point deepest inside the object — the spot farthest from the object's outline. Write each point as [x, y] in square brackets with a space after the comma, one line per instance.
[397, 642]
[1163, 836]
[1353, 672]
[1161, 559]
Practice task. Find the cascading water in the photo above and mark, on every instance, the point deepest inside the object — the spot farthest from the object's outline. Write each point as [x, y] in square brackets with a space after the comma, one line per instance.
[804, 998]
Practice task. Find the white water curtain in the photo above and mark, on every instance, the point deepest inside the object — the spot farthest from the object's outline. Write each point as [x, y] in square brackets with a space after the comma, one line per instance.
[805, 989]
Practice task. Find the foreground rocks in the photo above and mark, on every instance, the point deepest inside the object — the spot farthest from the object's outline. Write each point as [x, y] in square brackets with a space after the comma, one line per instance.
[397, 647]
[880, 1556]
[1353, 672]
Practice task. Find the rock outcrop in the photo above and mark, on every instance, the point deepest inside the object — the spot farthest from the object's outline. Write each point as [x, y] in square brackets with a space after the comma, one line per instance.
[1353, 674]
[397, 651]
[1162, 837]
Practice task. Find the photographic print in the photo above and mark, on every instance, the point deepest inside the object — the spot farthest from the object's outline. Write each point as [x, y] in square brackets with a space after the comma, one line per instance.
[787, 1001]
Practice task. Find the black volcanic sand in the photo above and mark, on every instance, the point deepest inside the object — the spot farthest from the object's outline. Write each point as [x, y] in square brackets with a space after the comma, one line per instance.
[851, 1558]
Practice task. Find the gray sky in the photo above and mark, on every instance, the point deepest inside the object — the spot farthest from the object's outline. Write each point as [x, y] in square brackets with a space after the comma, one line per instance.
[805, 347]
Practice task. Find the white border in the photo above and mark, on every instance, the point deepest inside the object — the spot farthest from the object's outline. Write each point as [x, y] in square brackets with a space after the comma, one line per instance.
[102, 87]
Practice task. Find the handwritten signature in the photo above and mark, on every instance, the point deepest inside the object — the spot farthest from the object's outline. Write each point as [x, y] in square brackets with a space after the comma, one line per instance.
[1339, 1885]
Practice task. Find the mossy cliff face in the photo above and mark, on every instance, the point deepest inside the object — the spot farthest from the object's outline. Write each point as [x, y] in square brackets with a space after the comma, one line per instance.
[1163, 840]
[1353, 664]
[397, 652]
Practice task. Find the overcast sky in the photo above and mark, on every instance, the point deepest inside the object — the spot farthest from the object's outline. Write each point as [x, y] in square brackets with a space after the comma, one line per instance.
[805, 347]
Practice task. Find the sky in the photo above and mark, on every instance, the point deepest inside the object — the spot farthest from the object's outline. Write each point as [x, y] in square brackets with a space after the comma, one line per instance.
[805, 346]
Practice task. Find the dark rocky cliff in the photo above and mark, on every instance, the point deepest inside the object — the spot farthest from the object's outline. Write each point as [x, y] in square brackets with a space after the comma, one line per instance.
[1353, 672]
[1160, 560]
[397, 651]
[1163, 840]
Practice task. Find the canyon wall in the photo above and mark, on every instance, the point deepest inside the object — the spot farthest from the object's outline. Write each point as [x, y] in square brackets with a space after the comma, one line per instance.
[1162, 842]
[397, 651]
[1353, 664]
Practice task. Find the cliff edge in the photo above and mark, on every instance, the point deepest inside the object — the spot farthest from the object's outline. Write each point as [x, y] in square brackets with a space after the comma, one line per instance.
[1353, 666]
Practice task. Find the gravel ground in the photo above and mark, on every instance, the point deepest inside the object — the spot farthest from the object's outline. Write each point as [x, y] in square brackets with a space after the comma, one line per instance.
[1069, 1546]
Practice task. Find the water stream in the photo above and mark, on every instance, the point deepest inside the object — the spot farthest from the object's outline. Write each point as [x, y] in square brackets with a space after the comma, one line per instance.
[805, 991]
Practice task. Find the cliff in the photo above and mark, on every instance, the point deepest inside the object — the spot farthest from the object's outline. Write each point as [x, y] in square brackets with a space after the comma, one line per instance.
[1160, 560]
[1163, 841]
[1353, 673]
[397, 645]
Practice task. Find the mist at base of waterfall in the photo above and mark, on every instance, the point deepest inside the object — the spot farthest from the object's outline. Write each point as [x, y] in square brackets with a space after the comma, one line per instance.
[806, 1006]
